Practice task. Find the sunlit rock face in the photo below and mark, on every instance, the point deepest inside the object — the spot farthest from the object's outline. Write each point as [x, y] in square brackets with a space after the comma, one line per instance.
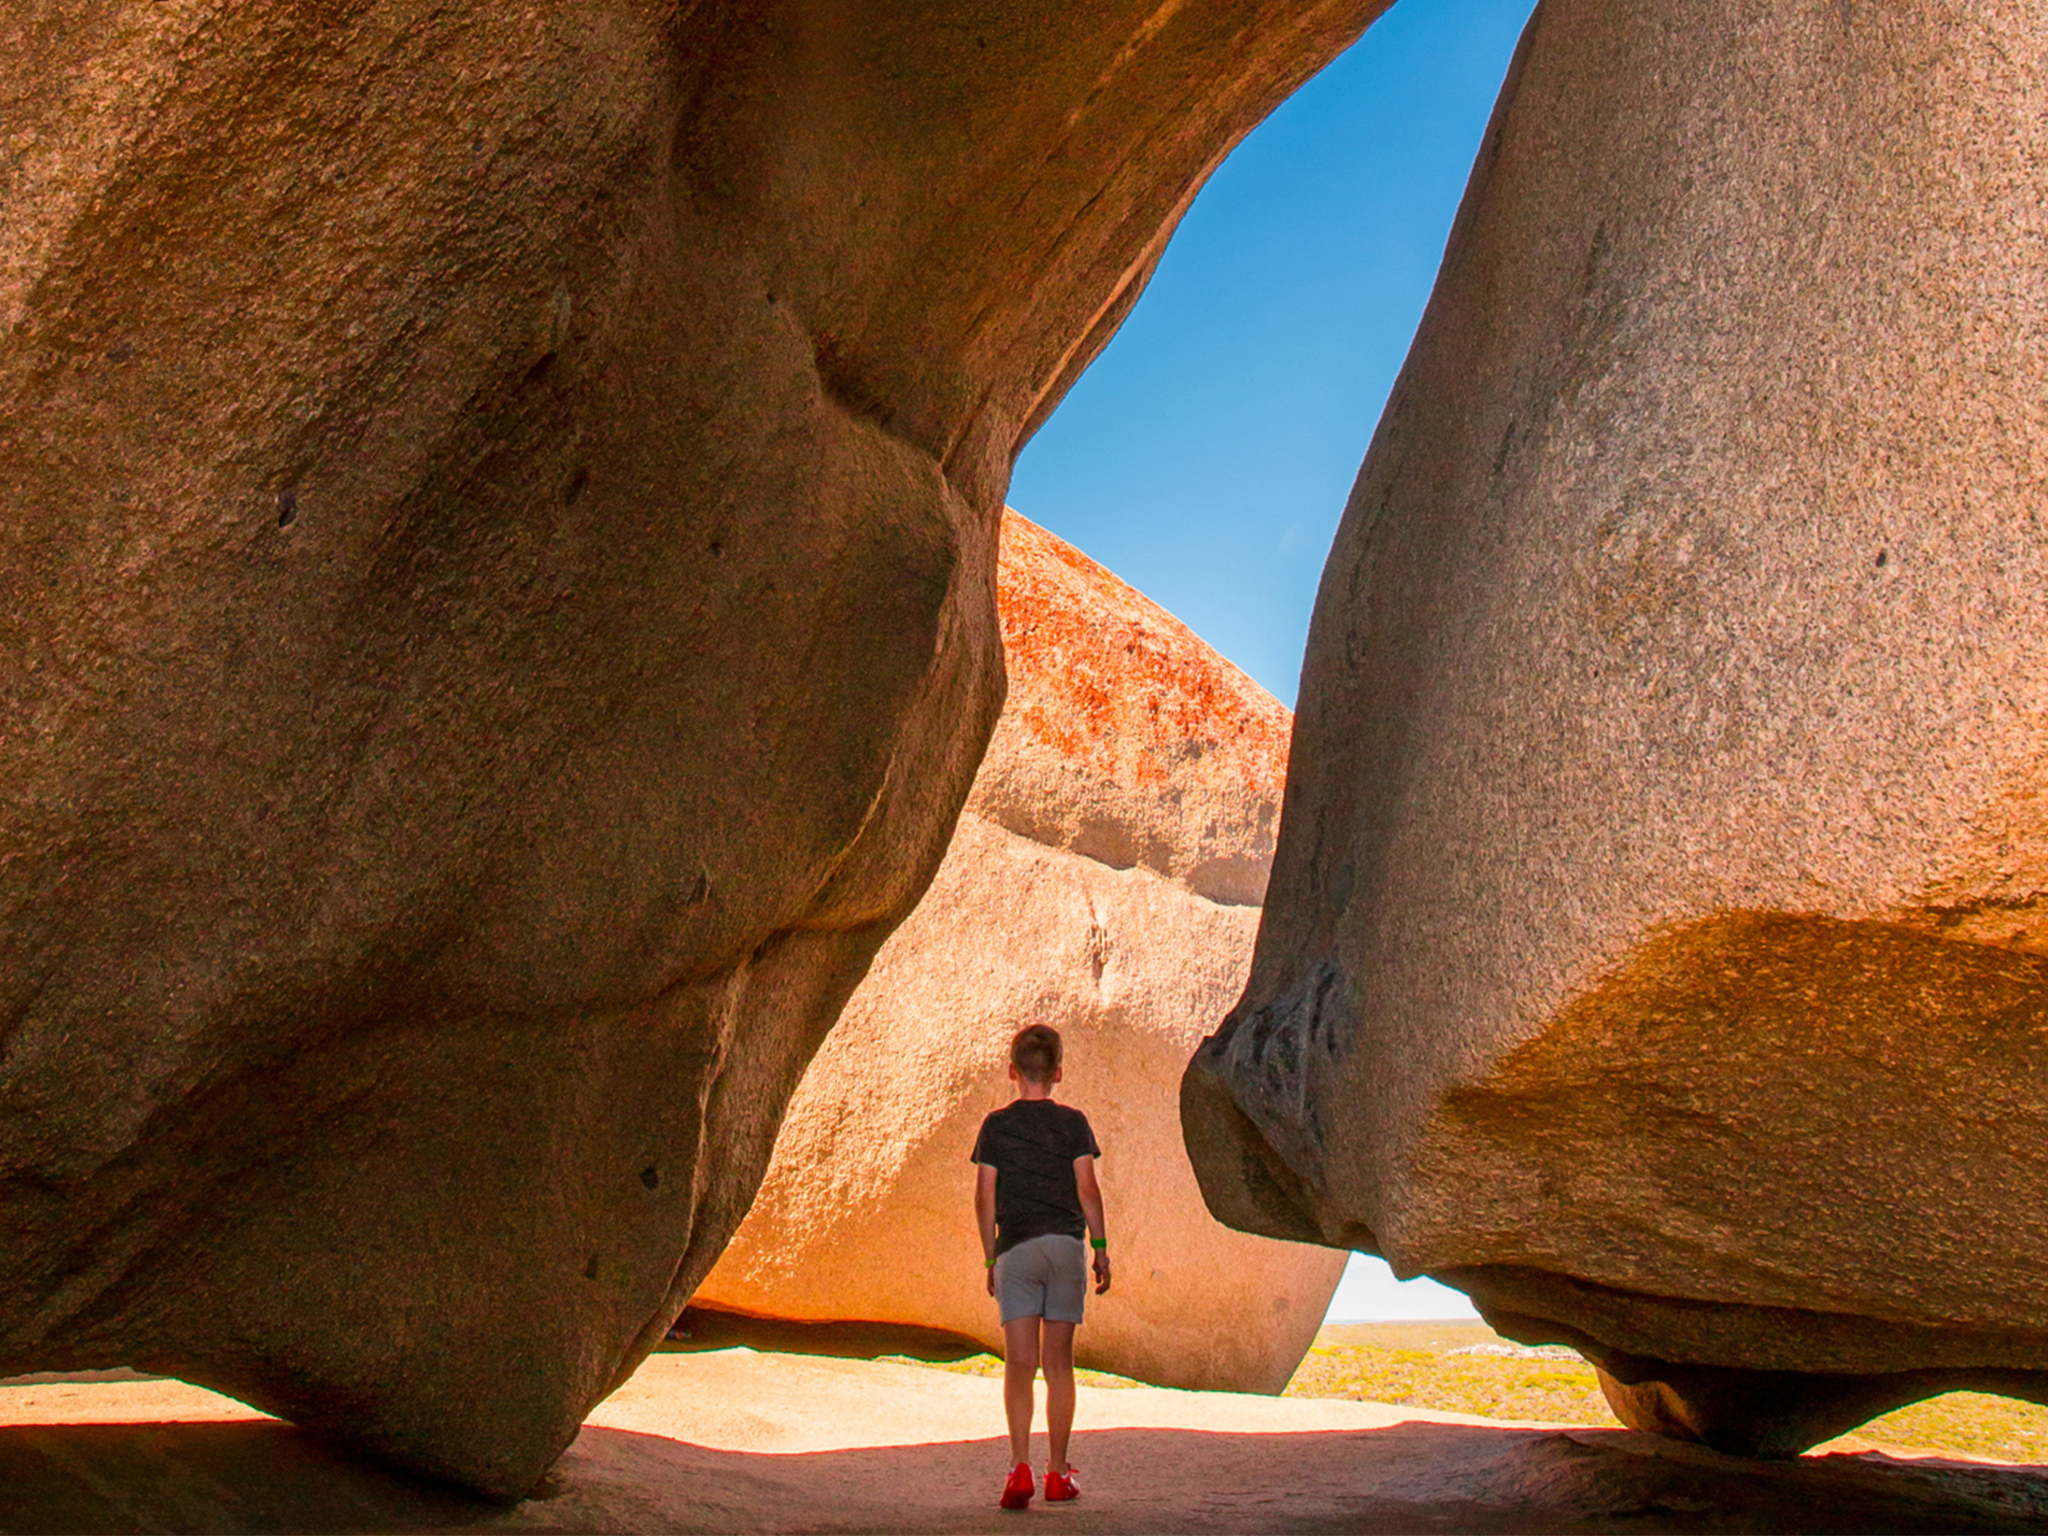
[1658, 939]
[1105, 880]
[500, 507]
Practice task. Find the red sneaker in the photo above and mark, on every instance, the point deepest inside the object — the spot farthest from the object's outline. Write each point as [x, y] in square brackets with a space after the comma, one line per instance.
[1059, 1486]
[1018, 1490]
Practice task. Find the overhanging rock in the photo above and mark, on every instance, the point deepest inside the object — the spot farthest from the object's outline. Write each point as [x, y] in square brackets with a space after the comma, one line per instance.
[499, 510]
[1658, 938]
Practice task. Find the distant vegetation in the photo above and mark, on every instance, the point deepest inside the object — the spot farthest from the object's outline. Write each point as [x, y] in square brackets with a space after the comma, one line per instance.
[1424, 1365]
[1972, 1423]
[1461, 1367]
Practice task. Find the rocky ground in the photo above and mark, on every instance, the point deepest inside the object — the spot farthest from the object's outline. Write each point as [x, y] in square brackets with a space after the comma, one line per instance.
[735, 1440]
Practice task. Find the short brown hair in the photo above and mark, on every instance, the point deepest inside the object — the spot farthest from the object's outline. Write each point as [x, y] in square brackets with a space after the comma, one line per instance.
[1036, 1051]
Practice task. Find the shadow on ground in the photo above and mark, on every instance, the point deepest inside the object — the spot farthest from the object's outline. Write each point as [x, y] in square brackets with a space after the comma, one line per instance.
[264, 1476]
[700, 1329]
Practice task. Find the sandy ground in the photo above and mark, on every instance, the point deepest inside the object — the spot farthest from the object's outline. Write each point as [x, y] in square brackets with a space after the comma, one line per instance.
[737, 1441]
[737, 1400]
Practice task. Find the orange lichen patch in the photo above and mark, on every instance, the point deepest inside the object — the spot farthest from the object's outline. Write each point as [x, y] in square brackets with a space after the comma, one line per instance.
[1102, 674]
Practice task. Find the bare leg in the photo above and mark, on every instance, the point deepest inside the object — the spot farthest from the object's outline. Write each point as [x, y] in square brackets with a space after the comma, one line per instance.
[1058, 1354]
[1020, 1371]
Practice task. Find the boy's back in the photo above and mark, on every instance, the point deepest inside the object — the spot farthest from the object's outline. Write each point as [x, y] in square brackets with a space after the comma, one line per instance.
[1032, 1145]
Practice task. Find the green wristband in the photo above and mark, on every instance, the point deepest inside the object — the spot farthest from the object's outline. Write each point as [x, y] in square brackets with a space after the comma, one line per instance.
[1098, 1242]
[988, 1263]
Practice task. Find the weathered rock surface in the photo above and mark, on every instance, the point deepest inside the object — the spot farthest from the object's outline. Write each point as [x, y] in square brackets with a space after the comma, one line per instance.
[1125, 738]
[1656, 946]
[1102, 880]
[499, 509]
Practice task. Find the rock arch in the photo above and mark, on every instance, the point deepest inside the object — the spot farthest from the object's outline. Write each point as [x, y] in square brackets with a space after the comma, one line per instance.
[499, 536]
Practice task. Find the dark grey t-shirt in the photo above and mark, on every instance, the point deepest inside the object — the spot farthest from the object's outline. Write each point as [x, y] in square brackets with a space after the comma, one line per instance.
[1032, 1145]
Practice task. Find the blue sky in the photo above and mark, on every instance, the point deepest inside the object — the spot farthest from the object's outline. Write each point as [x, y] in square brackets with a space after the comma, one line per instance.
[1205, 457]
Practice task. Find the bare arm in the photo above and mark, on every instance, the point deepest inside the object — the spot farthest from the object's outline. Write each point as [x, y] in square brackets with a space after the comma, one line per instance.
[1091, 1207]
[985, 1218]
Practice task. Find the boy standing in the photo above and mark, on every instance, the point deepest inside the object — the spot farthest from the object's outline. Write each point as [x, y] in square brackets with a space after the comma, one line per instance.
[1035, 1195]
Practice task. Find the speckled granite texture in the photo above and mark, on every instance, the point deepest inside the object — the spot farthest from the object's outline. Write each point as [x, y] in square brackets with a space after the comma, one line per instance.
[1657, 942]
[496, 626]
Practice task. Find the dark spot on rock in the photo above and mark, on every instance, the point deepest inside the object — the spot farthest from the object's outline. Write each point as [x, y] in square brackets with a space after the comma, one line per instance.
[651, 1176]
[1596, 255]
[538, 371]
[718, 549]
[700, 891]
[590, 1268]
[120, 351]
[287, 508]
[574, 489]
[1880, 559]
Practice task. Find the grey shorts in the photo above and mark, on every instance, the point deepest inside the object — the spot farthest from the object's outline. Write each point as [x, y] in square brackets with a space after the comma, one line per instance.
[1044, 1277]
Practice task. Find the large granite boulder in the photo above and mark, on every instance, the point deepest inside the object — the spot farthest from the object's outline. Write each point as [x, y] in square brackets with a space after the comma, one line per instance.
[1104, 879]
[500, 506]
[1658, 940]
